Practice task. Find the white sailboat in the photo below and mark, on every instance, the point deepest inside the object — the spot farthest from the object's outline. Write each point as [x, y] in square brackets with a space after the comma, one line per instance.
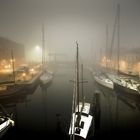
[46, 76]
[81, 120]
[101, 78]
[104, 81]
[125, 85]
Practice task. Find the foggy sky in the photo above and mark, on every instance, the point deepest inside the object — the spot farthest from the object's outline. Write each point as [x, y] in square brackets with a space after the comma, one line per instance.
[69, 20]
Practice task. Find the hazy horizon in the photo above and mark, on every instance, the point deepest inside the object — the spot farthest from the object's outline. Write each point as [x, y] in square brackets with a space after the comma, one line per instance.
[67, 21]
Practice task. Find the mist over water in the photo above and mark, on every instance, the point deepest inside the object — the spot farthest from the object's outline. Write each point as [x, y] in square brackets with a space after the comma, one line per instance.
[47, 111]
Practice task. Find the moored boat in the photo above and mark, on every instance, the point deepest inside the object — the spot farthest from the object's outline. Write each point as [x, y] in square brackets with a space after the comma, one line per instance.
[8, 91]
[104, 81]
[128, 87]
[46, 77]
[81, 119]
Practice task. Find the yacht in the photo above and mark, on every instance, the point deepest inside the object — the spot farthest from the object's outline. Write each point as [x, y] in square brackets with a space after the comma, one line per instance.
[81, 120]
[104, 81]
[127, 86]
[46, 76]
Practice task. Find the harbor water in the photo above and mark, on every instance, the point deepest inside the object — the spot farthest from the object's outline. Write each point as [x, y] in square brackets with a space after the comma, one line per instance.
[45, 112]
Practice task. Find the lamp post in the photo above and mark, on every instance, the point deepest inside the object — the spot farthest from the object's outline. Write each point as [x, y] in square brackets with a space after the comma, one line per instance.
[38, 53]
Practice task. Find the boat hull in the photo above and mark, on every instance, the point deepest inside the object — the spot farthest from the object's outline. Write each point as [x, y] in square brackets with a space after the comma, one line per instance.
[45, 78]
[105, 90]
[126, 91]
[12, 91]
[85, 122]
[103, 82]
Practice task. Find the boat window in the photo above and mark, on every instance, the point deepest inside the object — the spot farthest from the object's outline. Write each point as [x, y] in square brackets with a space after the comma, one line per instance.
[82, 124]
[78, 130]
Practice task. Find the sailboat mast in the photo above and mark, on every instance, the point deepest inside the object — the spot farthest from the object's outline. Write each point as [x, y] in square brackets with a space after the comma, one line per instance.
[118, 7]
[112, 40]
[82, 84]
[77, 75]
[13, 65]
[43, 48]
[106, 45]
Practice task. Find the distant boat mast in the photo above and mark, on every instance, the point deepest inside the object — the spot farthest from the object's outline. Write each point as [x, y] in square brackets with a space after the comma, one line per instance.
[77, 75]
[116, 25]
[106, 50]
[43, 48]
[13, 66]
[118, 17]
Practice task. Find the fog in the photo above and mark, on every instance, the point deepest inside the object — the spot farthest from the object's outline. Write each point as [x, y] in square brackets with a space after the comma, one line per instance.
[67, 21]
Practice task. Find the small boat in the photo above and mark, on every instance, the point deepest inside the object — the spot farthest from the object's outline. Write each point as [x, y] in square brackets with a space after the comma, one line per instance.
[46, 77]
[101, 77]
[104, 81]
[10, 88]
[81, 120]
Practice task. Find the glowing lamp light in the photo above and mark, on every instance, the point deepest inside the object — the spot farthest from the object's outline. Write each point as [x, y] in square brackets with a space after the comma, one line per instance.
[123, 65]
[12, 60]
[24, 74]
[32, 70]
[37, 48]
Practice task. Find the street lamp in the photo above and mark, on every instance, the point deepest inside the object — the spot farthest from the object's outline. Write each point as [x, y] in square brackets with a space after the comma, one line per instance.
[37, 47]
[38, 53]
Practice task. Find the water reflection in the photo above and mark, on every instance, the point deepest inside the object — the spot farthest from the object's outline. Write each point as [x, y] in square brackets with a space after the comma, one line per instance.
[46, 111]
[119, 114]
